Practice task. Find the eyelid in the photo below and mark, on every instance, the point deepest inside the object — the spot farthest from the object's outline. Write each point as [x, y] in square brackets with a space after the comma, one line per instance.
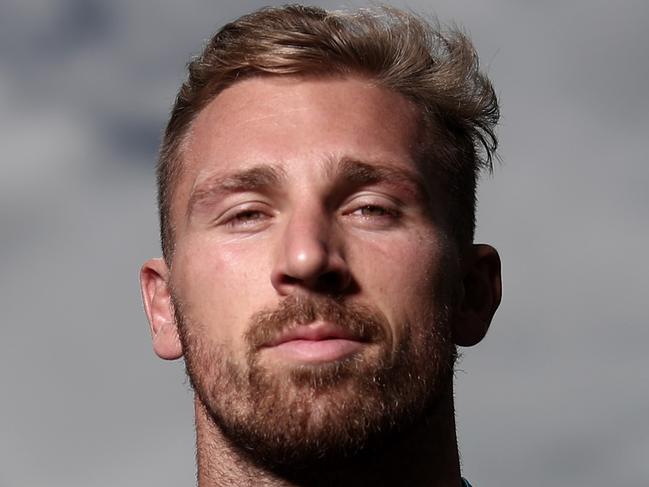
[246, 206]
[359, 200]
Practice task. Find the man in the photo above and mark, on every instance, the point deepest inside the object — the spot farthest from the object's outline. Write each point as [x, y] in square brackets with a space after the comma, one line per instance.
[316, 191]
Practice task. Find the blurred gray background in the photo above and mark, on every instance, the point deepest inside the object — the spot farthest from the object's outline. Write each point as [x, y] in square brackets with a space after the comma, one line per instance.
[556, 395]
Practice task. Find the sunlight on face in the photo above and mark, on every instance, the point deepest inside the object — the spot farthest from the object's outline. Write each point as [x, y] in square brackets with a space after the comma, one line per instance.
[311, 280]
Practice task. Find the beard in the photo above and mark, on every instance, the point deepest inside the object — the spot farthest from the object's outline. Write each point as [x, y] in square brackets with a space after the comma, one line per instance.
[299, 416]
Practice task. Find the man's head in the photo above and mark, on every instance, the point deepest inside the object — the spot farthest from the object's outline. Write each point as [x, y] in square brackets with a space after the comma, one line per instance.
[436, 70]
[317, 184]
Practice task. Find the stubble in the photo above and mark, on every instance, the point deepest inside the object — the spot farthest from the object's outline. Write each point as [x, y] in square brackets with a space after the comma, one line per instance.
[301, 415]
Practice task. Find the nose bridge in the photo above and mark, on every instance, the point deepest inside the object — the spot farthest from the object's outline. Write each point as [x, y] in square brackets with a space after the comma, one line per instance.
[310, 250]
[306, 241]
[309, 253]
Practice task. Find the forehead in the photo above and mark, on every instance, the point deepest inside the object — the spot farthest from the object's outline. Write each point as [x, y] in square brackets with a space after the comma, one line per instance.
[296, 122]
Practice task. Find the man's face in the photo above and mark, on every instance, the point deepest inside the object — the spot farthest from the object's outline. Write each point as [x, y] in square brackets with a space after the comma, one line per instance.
[311, 280]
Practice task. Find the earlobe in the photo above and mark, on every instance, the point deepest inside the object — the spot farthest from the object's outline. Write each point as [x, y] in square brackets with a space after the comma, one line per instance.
[482, 292]
[158, 307]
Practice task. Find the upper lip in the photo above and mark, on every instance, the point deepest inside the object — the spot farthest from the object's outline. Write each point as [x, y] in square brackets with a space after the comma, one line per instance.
[313, 332]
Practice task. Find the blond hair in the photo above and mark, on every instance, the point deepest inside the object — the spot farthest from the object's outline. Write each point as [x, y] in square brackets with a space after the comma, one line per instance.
[437, 70]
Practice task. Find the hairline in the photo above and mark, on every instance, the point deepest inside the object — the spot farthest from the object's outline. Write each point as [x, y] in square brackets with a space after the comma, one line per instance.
[457, 119]
[177, 158]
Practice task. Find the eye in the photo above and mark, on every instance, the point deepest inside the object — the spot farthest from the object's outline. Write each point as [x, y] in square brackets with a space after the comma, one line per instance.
[375, 211]
[245, 218]
[379, 213]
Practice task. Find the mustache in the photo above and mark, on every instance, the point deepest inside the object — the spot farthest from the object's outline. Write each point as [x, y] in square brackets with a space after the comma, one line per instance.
[360, 321]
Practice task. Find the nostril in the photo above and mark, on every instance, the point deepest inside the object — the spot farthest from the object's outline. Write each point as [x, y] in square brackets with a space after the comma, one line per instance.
[331, 282]
[289, 280]
[331, 279]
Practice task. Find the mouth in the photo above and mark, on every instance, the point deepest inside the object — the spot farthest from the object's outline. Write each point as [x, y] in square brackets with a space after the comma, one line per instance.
[314, 343]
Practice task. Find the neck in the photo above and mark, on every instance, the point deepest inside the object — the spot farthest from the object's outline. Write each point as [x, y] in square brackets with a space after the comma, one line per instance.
[425, 455]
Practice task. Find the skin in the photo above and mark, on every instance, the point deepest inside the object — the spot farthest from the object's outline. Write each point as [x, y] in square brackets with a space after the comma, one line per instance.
[243, 248]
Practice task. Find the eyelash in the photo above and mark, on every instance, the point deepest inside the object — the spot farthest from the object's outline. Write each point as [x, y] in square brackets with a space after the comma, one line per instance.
[245, 217]
[382, 210]
[362, 213]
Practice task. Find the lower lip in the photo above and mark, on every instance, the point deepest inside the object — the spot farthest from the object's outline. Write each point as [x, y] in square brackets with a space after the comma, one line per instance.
[316, 351]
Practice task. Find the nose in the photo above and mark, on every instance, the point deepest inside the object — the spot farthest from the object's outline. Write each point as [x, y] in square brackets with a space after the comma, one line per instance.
[310, 256]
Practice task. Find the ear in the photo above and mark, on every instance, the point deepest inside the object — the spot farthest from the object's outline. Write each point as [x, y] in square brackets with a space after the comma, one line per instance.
[482, 291]
[156, 295]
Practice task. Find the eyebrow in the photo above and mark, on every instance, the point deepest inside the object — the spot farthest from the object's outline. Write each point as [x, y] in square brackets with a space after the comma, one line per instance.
[257, 178]
[354, 172]
[346, 171]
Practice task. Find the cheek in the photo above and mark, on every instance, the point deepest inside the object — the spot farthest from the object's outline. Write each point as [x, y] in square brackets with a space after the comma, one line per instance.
[407, 279]
[220, 286]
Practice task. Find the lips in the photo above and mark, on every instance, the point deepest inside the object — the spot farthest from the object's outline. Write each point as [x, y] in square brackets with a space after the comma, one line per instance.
[315, 343]
[305, 330]
[314, 332]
